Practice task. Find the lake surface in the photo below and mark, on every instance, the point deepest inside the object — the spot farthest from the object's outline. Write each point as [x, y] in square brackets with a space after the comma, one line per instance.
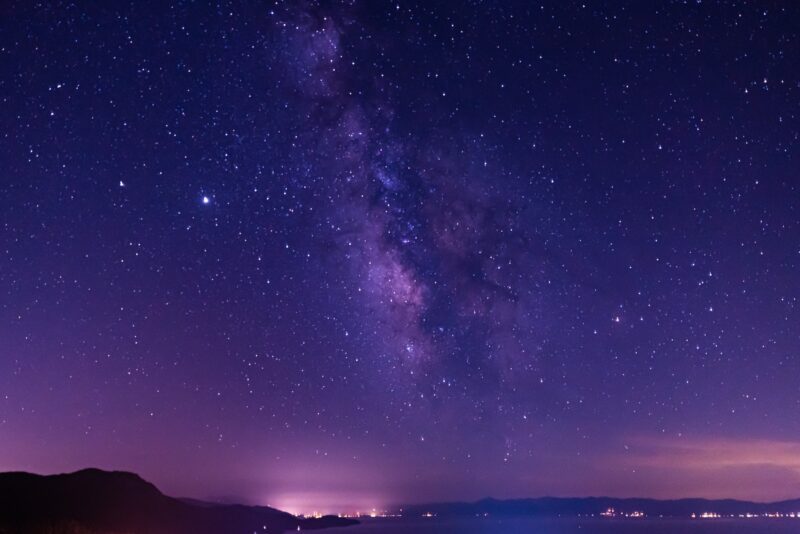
[569, 526]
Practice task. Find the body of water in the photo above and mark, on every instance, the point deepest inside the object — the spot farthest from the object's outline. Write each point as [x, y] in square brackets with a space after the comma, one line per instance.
[569, 526]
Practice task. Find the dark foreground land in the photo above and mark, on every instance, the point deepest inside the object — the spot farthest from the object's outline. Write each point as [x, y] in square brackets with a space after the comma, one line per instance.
[101, 502]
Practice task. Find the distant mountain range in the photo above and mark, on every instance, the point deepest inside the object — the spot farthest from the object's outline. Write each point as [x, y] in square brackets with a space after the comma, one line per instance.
[92, 501]
[571, 507]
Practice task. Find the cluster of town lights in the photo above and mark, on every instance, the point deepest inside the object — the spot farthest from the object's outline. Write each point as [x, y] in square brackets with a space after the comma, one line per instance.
[608, 513]
[354, 515]
[612, 513]
[770, 515]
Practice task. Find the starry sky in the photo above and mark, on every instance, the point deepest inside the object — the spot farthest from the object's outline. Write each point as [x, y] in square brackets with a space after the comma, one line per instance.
[337, 255]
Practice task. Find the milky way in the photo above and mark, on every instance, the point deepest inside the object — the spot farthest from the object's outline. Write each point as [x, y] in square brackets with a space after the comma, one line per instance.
[344, 255]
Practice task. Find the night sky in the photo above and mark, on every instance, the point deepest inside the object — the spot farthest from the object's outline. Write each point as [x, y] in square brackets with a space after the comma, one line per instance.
[343, 255]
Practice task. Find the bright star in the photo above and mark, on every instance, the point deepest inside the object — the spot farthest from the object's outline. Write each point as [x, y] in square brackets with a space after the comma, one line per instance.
[206, 200]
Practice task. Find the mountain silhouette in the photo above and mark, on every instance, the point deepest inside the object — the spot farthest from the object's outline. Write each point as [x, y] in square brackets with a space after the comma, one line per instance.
[93, 501]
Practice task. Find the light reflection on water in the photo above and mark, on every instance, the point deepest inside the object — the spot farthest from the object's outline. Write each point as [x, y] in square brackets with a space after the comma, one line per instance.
[570, 526]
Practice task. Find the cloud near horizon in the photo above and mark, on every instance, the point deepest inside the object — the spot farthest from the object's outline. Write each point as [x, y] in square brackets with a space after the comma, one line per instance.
[716, 467]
